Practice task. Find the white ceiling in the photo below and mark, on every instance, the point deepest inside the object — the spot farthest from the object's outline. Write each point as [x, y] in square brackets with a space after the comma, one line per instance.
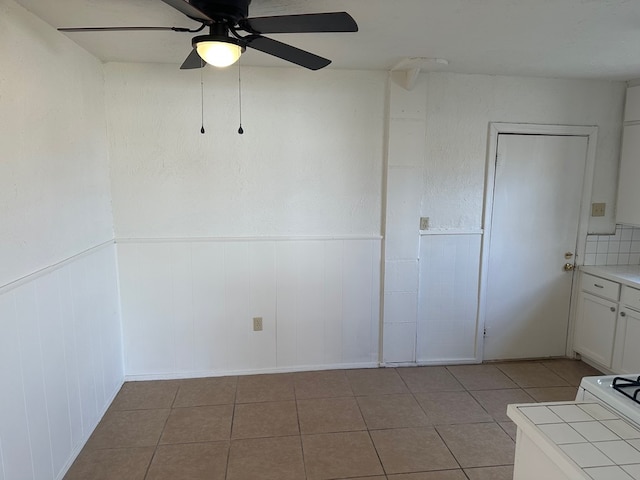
[550, 38]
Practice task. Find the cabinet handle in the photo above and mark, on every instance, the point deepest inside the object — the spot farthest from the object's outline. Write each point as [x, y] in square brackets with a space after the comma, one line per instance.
[613, 309]
[598, 286]
[623, 314]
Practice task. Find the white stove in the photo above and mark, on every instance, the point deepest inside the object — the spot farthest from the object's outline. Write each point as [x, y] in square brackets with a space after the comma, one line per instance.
[602, 390]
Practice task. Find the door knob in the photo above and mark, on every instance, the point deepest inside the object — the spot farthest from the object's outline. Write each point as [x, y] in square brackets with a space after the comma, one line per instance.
[568, 267]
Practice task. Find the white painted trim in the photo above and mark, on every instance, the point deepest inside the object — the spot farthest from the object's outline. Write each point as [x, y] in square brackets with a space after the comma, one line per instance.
[51, 268]
[451, 231]
[227, 373]
[292, 238]
[495, 129]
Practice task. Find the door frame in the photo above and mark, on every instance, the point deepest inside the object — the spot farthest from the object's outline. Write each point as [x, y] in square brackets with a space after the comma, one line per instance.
[495, 129]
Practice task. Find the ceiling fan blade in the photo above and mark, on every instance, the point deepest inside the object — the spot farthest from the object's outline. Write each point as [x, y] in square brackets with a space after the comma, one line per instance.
[192, 61]
[189, 10]
[121, 29]
[287, 52]
[306, 23]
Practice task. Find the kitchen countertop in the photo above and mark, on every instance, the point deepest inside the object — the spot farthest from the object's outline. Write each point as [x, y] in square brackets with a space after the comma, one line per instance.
[585, 440]
[625, 274]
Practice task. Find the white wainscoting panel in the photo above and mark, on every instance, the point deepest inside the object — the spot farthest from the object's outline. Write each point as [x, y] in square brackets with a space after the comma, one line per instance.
[188, 306]
[448, 298]
[60, 363]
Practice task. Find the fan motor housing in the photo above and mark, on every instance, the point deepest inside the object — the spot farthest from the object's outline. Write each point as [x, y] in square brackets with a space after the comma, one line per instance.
[231, 10]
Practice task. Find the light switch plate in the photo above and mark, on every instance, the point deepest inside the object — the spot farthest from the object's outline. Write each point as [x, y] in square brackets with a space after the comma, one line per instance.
[597, 209]
[424, 223]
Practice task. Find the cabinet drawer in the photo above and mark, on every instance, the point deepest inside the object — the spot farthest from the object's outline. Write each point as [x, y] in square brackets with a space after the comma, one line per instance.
[630, 297]
[601, 287]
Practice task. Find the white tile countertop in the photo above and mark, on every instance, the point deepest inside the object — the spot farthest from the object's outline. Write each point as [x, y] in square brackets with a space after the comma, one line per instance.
[626, 274]
[584, 440]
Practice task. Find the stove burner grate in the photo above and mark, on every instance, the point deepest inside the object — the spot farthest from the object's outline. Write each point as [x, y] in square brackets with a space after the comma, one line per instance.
[628, 387]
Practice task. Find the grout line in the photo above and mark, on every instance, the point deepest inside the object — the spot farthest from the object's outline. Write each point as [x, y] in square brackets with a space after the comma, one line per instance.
[233, 416]
[155, 450]
[295, 401]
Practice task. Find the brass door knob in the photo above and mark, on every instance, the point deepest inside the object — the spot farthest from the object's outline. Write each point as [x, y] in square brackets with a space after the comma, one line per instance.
[569, 267]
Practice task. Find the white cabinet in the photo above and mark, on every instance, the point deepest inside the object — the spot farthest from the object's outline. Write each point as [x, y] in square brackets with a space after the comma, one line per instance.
[628, 205]
[595, 328]
[627, 351]
[632, 106]
[628, 208]
[607, 327]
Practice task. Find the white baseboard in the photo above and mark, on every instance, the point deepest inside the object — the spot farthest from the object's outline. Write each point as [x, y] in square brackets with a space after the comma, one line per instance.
[226, 373]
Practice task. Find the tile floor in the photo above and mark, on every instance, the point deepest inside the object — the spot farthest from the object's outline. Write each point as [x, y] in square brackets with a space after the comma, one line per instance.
[414, 423]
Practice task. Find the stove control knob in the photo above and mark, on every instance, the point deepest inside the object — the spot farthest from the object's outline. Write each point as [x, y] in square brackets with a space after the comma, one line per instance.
[623, 314]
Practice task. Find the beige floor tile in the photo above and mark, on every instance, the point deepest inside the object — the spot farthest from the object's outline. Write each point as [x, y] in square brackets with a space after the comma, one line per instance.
[510, 428]
[553, 394]
[444, 408]
[391, 411]
[429, 379]
[198, 424]
[571, 370]
[145, 395]
[340, 455]
[532, 374]
[129, 428]
[111, 464]
[193, 461]
[277, 458]
[440, 475]
[495, 401]
[324, 384]
[327, 415]
[479, 444]
[206, 391]
[406, 450]
[376, 381]
[270, 419]
[265, 388]
[490, 473]
[481, 377]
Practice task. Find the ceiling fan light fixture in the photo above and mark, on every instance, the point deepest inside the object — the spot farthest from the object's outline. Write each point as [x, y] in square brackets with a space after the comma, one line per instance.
[217, 50]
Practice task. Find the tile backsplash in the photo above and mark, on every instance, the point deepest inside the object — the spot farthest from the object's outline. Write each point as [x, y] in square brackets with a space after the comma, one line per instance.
[623, 248]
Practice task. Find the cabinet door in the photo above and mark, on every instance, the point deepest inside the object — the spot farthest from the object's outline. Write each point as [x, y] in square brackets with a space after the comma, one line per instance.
[629, 323]
[595, 328]
[632, 108]
[628, 208]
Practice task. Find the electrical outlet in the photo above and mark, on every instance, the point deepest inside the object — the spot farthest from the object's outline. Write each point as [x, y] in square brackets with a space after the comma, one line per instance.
[424, 223]
[257, 324]
[597, 209]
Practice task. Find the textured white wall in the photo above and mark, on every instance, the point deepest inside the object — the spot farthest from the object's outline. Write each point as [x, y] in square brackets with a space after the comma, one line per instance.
[309, 163]
[459, 109]
[60, 335]
[54, 177]
[307, 174]
[438, 134]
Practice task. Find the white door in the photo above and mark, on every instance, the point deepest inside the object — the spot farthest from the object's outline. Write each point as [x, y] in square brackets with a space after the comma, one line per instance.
[537, 196]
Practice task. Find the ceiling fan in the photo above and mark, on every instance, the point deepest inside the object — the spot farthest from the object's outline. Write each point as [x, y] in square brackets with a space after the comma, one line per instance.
[231, 31]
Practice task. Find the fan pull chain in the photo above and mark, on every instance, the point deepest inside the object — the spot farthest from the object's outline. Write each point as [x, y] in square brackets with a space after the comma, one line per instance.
[240, 130]
[202, 130]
